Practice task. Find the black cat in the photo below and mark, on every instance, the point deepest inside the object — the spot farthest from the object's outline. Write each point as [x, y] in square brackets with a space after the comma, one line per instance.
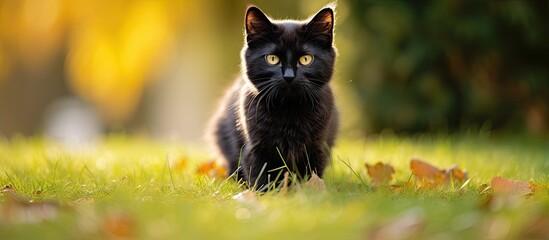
[280, 116]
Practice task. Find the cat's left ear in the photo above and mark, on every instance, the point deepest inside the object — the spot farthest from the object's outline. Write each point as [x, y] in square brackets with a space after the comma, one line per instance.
[257, 22]
[322, 24]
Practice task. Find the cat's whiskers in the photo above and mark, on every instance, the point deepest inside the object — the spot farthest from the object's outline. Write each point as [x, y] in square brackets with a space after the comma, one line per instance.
[264, 92]
[309, 93]
[269, 100]
[283, 98]
[258, 90]
[316, 82]
[302, 93]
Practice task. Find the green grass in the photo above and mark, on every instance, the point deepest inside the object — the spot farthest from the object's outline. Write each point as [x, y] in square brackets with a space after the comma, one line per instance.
[132, 178]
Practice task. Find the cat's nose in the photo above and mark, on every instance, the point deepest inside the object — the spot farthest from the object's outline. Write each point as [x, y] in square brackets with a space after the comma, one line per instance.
[288, 74]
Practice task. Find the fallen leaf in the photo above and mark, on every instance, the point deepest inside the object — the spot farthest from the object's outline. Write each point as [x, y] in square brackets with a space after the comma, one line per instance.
[315, 183]
[429, 176]
[212, 169]
[380, 173]
[457, 174]
[427, 173]
[508, 186]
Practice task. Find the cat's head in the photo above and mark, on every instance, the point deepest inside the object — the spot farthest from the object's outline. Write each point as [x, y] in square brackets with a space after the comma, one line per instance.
[290, 57]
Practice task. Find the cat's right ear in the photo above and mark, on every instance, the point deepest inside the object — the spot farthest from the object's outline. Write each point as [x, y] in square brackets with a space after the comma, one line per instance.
[257, 22]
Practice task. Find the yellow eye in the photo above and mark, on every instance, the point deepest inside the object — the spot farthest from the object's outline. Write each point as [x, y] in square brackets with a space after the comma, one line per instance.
[306, 59]
[272, 59]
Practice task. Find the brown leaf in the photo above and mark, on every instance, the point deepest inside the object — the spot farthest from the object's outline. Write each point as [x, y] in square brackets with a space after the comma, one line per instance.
[429, 176]
[315, 183]
[508, 186]
[457, 174]
[426, 173]
[212, 169]
[380, 173]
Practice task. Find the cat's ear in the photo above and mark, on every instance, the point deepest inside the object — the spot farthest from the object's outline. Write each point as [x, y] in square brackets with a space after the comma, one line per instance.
[256, 22]
[322, 24]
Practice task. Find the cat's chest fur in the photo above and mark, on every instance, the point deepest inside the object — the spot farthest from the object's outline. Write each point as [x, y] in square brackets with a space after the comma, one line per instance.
[291, 124]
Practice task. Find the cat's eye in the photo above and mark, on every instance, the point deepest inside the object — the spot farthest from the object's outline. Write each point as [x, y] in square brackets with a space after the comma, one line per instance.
[272, 59]
[306, 59]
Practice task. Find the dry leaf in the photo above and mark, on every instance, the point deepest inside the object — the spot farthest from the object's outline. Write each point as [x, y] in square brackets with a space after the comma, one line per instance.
[212, 169]
[429, 176]
[457, 174]
[426, 173]
[380, 173]
[508, 186]
[315, 183]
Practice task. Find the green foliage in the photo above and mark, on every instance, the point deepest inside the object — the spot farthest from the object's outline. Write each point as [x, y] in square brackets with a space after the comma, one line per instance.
[449, 65]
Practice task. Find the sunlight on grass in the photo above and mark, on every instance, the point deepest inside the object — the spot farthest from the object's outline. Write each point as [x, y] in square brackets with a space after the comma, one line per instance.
[150, 190]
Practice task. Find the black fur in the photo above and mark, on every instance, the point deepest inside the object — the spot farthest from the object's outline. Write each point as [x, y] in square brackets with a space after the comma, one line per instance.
[264, 116]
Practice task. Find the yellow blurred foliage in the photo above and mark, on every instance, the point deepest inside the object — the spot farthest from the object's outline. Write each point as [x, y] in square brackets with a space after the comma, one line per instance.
[4, 66]
[113, 48]
[32, 29]
[113, 55]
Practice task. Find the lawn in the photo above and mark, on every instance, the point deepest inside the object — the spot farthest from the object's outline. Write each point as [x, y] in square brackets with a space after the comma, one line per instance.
[133, 188]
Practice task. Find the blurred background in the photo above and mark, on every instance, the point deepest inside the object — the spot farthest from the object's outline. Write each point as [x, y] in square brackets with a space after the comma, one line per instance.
[76, 70]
